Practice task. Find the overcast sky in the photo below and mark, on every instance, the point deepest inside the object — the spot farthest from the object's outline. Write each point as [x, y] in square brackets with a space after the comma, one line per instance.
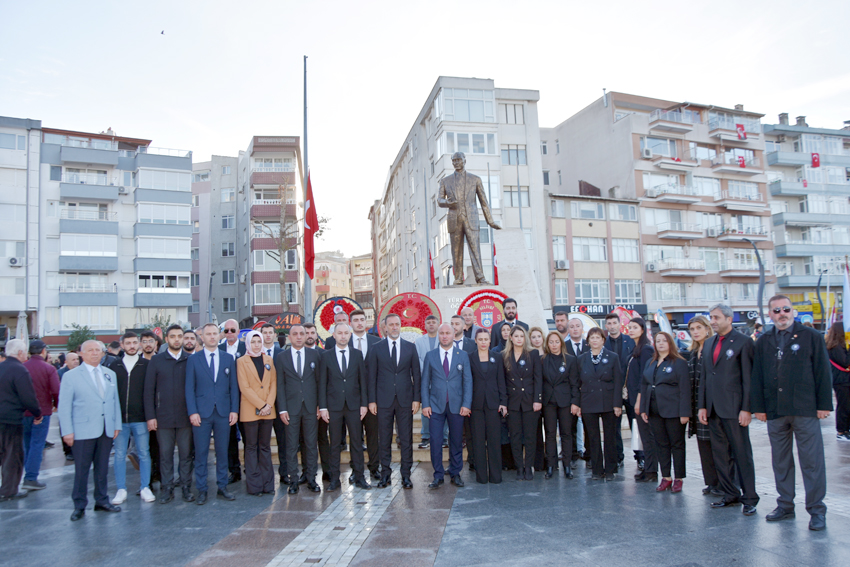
[224, 71]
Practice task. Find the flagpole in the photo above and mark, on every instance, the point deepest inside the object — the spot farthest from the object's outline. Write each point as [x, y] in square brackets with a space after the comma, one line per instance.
[490, 228]
[308, 282]
[427, 229]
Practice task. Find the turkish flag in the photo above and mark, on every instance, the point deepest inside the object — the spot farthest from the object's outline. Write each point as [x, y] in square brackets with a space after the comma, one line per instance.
[431, 266]
[311, 225]
[815, 159]
[742, 133]
[495, 267]
[805, 183]
[742, 162]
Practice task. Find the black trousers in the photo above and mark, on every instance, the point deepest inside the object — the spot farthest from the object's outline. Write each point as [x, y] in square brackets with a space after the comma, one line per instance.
[593, 441]
[706, 459]
[555, 417]
[305, 422]
[324, 445]
[373, 446]
[650, 456]
[259, 472]
[670, 442]
[402, 416]
[153, 449]
[486, 445]
[11, 457]
[730, 444]
[467, 438]
[339, 421]
[575, 455]
[88, 452]
[233, 464]
[541, 459]
[842, 407]
[280, 437]
[618, 432]
[523, 428]
[168, 438]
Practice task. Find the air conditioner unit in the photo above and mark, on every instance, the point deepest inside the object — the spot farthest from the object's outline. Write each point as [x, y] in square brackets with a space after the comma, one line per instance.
[713, 231]
[562, 264]
[647, 153]
[16, 262]
[122, 190]
[651, 267]
[780, 138]
[242, 278]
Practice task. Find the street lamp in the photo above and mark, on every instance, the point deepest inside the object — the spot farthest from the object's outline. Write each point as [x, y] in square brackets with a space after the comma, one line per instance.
[209, 300]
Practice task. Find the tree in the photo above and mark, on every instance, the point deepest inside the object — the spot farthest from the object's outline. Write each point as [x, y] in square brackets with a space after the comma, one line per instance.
[78, 336]
[159, 321]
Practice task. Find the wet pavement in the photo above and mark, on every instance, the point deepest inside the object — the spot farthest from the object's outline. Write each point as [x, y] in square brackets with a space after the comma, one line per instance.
[542, 522]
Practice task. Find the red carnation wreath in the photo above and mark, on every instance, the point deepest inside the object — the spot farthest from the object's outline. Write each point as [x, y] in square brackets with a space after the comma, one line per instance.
[412, 308]
[486, 304]
[323, 316]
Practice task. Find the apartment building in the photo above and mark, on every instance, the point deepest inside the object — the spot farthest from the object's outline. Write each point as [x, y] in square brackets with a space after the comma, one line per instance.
[809, 183]
[497, 129]
[332, 276]
[362, 290]
[698, 174]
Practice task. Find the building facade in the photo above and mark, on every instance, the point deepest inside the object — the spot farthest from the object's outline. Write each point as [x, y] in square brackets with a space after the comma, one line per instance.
[332, 276]
[362, 285]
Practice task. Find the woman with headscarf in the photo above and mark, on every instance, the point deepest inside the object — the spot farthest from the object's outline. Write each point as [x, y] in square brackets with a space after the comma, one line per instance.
[258, 388]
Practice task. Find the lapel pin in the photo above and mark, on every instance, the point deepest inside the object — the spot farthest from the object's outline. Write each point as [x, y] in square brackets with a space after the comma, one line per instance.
[522, 363]
[268, 367]
[795, 347]
[562, 370]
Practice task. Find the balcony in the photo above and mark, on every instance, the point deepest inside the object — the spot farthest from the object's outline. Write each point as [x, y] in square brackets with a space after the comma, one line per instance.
[91, 186]
[671, 122]
[809, 280]
[805, 248]
[88, 263]
[740, 269]
[681, 267]
[323, 289]
[684, 163]
[171, 152]
[679, 231]
[800, 187]
[797, 159]
[161, 297]
[729, 234]
[726, 129]
[674, 193]
[88, 155]
[275, 178]
[740, 201]
[271, 309]
[265, 209]
[83, 215]
[737, 165]
[88, 294]
[811, 219]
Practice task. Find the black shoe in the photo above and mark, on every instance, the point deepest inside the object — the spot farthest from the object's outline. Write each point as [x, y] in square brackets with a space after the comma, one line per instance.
[725, 503]
[77, 515]
[333, 486]
[707, 491]
[406, 484]
[596, 477]
[549, 473]
[106, 508]
[817, 523]
[30, 485]
[384, 482]
[520, 474]
[187, 494]
[426, 443]
[202, 498]
[647, 477]
[293, 488]
[436, 484]
[49, 444]
[621, 463]
[351, 479]
[234, 477]
[361, 483]
[166, 496]
[376, 475]
[780, 514]
[302, 479]
[225, 495]
[445, 444]
[69, 457]
[716, 492]
[284, 480]
[749, 510]
[641, 463]
[586, 455]
[457, 481]
[313, 487]
[17, 495]
[568, 472]
[529, 473]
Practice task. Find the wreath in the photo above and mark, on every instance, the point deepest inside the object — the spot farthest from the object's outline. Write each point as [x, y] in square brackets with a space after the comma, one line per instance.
[412, 309]
[324, 315]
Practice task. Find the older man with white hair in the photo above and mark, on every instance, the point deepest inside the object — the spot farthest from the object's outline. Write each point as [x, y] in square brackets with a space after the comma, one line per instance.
[90, 419]
[16, 396]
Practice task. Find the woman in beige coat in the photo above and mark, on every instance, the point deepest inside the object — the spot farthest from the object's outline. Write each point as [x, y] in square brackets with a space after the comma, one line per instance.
[258, 388]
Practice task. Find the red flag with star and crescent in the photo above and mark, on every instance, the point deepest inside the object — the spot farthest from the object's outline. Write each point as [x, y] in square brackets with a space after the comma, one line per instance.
[311, 225]
[495, 267]
[431, 264]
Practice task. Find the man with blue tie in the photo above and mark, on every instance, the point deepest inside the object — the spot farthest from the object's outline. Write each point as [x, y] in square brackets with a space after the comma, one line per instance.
[447, 396]
[212, 399]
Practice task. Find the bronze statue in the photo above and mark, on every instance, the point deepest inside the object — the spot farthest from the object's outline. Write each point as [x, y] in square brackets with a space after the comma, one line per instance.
[458, 192]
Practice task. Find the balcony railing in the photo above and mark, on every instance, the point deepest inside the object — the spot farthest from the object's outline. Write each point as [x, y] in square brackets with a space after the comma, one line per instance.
[164, 151]
[90, 179]
[827, 269]
[87, 288]
[285, 168]
[724, 159]
[681, 264]
[741, 265]
[679, 226]
[266, 202]
[750, 126]
[74, 214]
[671, 188]
[674, 116]
[72, 142]
[783, 269]
[745, 231]
[740, 196]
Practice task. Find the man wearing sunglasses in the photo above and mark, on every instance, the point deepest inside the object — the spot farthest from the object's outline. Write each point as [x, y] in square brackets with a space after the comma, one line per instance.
[235, 348]
[792, 392]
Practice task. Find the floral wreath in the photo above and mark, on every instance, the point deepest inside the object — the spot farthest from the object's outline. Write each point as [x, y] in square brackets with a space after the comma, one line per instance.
[477, 296]
[412, 309]
[323, 317]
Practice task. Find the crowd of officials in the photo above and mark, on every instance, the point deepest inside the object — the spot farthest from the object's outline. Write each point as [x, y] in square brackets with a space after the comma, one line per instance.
[509, 395]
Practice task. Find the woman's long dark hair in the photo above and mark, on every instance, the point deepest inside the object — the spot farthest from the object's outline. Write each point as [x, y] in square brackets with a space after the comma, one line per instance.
[643, 340]
[835, 336]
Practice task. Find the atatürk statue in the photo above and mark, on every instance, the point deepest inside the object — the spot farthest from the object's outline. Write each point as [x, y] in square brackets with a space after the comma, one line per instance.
[458, 193]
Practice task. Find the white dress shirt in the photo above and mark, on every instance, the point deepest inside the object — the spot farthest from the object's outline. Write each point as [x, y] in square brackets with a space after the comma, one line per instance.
[216, 359]
[175, 356]
[303, 358]
[443, 353]
[339, 352]
[576, 345]
[362, 343]
[96, 374]
[397, 343]
[232, 349]
[268, 350]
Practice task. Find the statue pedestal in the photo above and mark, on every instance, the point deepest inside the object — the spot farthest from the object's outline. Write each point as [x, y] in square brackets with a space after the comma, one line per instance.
[516, 280]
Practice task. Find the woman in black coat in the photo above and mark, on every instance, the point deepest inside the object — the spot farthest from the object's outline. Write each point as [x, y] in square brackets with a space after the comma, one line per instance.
[560, 400]
[641, 355]
[700, 330]
[524, 383]
[489, 400]
[601, 388]
[666, 406]
[840, 362]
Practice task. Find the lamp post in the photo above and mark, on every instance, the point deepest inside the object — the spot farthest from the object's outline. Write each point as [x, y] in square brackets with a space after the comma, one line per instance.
[209, 299]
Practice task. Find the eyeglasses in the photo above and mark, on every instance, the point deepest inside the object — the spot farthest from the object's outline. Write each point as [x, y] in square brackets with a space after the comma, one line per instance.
[785, 309]
[230, 330]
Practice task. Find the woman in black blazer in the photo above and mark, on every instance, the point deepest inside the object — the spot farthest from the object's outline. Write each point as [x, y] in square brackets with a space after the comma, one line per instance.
[489, 399]
[839, 361]
[560, 400]
[524, 382]
[601, 389]
[666, 406]
[641, 356]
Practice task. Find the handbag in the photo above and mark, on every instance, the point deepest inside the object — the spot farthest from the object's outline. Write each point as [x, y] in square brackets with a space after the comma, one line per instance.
[626, 379]
[637, 443]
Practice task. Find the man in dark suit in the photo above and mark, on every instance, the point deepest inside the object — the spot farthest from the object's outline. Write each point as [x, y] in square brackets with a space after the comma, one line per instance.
[791, 391]
[343, 400]
[235, 348]
[724, 405]
[394, 396]
[447, 395]
[271, 348]
[469, 327]
[577, 346]
[460, 340]
[363, 341]
[212, 400]
[340, 316]
[298, 371]
[510, 311]
[622, 345]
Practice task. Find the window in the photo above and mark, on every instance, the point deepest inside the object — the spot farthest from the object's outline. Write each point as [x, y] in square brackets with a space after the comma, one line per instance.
[196, 226]
[12, 286]
[668, 291]
[205, 176]
[228, 221]
[163, 214]
[592, 291]
[653, 253]
[557, 208]
[619, 212]
[706, 186]
[291, 260]
[557, 146]
[228, 195]
[88, 245]
[195, 254]
[744, 190]
[162, 283]
[11, 248]
[265, 262]
[225, 170]
[228, 305]
[56, 173]
[587, 249]
[624, 250]
[267, 294]
[466, 105]
[228, 276]
[559, 248]
[163, 248]
[585, 210]
[12, 142]
[627, 291]
[168, 180]
[659, 146]
[714, 292]
[195, 280]
[543, 148]
[466, 142]
[433, 207]
[513, 156]
[196, 200]
[511, 114]
[483, 235]
[512, 196]
[228, 249]
[195, 307]
[493, 190]
[561, 291]
[560, 180]
[713, 258]
[94, 317]
[770, 146]
[291, 292]
[700, 153]
[130, 178]
[545, 177]
[266, 230]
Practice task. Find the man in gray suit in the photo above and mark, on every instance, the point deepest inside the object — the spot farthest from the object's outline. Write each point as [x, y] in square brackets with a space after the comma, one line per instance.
[425, 344]
[90, 419]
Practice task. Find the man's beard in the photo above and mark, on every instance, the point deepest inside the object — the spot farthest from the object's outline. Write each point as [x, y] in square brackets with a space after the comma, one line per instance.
[310, 342]
[510, 316]
[189, 348]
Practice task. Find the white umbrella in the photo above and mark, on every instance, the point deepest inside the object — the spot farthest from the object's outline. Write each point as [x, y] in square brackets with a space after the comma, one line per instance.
[21, 332]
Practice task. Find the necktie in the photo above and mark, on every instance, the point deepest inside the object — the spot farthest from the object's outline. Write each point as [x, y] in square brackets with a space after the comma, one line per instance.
[298, 363]
[360, 344]
[393, 354]
[269, 351]
[99, 379]
[344, 365]
[783, 339]
[446, 364]
[717, 347]
[457, 344]
[577, 349]
[212, 365]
